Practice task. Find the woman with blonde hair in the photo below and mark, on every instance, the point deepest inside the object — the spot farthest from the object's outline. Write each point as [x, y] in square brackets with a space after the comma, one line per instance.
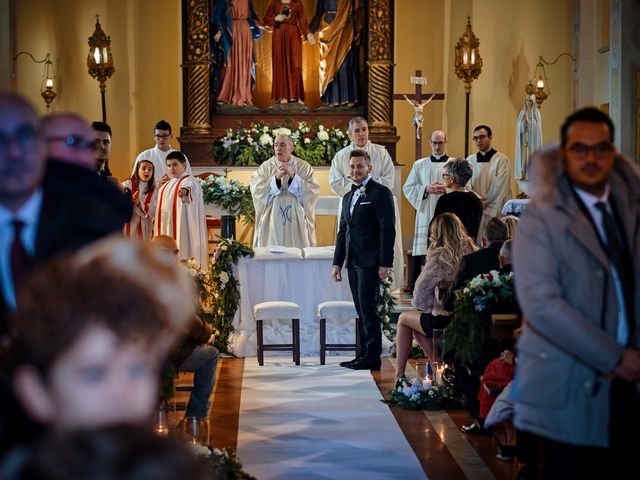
[448, 243]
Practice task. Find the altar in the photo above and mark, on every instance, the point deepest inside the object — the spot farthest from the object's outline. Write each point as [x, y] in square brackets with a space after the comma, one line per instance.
[293, 275]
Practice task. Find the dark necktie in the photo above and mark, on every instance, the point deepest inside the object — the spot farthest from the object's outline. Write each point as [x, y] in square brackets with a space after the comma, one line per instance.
[18, 255]
[354, 187]
[620, 257]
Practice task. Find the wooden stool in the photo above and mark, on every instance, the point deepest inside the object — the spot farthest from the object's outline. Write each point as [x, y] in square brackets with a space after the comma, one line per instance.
[342, 311]
[275, 311]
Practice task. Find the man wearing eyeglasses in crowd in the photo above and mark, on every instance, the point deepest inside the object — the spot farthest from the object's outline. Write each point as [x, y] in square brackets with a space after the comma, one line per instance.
[158, 154]
[87, 206]
[422, 189]
[491, 176]
[577, 271]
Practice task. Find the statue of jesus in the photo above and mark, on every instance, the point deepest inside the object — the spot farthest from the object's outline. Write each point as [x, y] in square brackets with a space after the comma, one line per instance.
[418, 118]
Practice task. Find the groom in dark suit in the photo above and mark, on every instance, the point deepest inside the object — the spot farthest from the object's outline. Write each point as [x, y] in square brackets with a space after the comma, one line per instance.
[364, 245]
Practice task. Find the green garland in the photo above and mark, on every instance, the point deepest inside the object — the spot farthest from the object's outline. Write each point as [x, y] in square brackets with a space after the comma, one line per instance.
[219, 289]
[469, 330]
[386, 305]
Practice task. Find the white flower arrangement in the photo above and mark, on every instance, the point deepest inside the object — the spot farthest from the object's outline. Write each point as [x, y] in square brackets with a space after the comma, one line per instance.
[315, 143]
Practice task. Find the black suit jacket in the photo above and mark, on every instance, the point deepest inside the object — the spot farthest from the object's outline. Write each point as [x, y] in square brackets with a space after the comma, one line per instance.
[366, 238]
[472, 265]
[78, 207]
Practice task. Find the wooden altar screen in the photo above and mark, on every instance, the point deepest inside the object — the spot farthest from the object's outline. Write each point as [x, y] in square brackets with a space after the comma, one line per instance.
[202, 125]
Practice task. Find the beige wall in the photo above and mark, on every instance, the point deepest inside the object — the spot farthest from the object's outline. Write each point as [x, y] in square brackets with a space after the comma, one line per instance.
[511, 38]
[145, 42]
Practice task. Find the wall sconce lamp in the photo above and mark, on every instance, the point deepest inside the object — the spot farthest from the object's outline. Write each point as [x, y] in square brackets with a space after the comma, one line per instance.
[100, 61]
[468, 66]
[539, 84]
[46, 88]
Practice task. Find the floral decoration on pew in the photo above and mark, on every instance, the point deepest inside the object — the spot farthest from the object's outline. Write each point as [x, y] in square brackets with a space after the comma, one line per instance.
[218, 289]
[230, 195]
[314, 143]
[385, 307]
[412, 396]
[224, 463]
[470, 327]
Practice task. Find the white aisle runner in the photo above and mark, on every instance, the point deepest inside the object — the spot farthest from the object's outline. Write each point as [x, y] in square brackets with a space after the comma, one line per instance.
[318, 422]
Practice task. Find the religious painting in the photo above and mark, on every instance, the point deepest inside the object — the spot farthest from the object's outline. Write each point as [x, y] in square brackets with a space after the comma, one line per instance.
[287, 55]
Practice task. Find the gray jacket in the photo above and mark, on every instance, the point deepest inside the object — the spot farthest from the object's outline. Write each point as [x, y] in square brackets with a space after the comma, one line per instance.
[567, 294]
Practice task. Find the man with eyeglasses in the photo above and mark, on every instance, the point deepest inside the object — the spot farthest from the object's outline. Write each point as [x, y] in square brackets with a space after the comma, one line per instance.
[422, 189]
[577, 272]
[158, 154]
[22, 166]
[491, 175]
[85, 205]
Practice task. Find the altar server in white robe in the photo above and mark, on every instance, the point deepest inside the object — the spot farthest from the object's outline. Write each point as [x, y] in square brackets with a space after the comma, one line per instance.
[162, 135]
[180, 211]
[491, 176]
[383, 171]
[285, 192]
[423, 188]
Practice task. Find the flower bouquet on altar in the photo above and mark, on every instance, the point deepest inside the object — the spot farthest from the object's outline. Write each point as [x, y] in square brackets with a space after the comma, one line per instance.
[229, 195]
[470, 330]
[314, 143]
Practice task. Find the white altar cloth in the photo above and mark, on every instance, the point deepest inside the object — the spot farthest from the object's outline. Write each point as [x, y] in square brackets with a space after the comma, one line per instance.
[304, 279]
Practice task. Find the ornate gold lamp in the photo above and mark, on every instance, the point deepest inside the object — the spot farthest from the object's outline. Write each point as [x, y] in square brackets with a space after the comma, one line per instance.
[539, 84]
[46, 88]
[468, 66]
[100, 61]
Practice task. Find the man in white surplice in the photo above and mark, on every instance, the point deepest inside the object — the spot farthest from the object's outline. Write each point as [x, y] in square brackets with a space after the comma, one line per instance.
[422, 189]
[285, 192]
[491, 176]
[383, 171]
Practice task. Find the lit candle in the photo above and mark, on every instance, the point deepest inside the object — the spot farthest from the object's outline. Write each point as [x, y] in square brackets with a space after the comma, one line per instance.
[473, 57]
[465, 57]
[426, 383]
[49, 83]
[162, 430]
[96, 55]
[438, 373]
[540, 84]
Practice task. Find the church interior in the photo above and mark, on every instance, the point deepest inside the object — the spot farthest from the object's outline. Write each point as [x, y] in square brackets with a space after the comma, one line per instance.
[590, 52]
[147, 41]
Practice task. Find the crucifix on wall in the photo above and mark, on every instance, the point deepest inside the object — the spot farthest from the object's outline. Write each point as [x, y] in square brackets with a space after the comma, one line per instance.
[418, 100]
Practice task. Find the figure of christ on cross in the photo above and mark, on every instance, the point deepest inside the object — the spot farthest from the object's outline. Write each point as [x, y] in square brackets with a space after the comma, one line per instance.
[418, 100]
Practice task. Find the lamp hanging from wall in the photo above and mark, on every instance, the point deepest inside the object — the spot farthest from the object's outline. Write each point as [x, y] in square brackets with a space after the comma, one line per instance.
[46, 87]
[468, 66]
[539, 84]
[100, 61]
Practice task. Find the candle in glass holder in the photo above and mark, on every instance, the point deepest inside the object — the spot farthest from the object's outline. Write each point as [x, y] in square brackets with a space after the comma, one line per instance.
[161, 430]
[426, 383]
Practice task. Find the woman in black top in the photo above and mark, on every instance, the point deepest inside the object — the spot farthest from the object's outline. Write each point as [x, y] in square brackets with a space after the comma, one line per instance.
[458, 200]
